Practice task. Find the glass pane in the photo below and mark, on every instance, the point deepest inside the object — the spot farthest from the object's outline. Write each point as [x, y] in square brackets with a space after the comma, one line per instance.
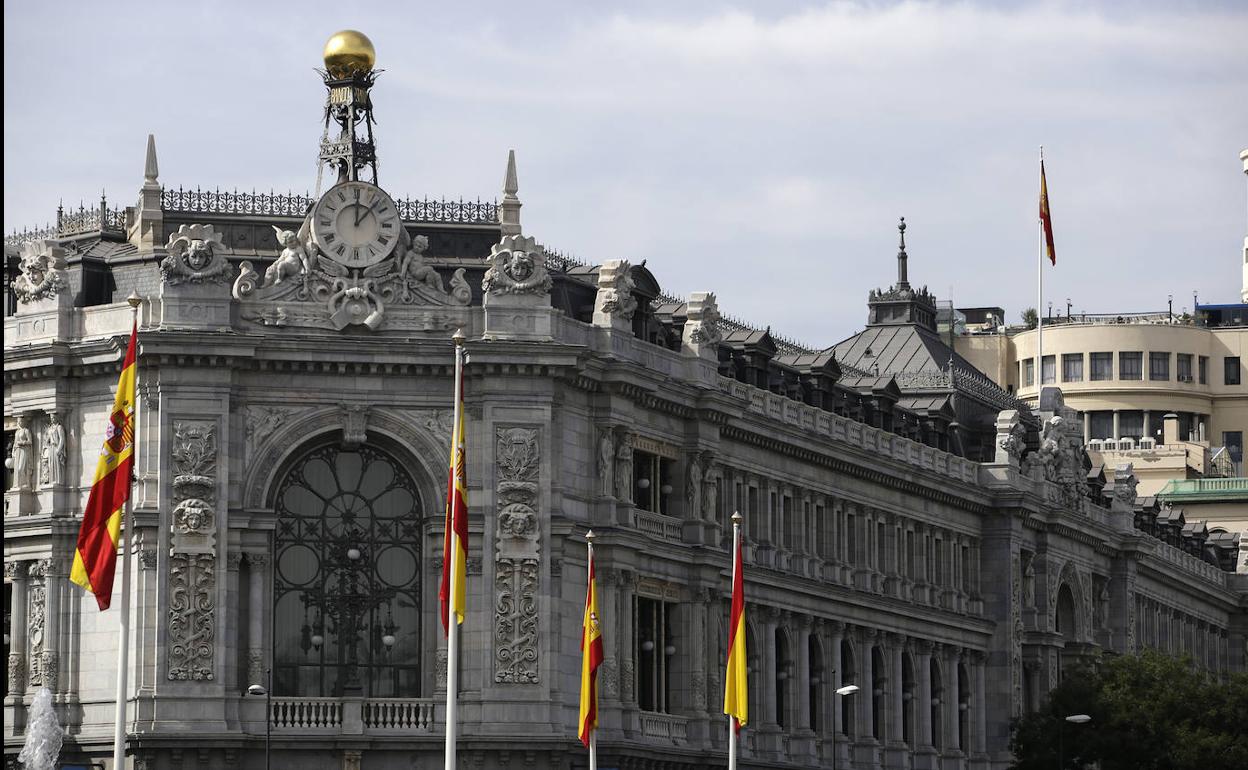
[347, 578]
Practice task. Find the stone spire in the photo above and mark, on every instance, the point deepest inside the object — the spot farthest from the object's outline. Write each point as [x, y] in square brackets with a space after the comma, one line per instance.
[902, 279]
[144, 229]
[150, 169]
[509, 209]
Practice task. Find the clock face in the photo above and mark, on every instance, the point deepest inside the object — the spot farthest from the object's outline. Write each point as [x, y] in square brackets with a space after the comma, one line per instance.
[356, 224]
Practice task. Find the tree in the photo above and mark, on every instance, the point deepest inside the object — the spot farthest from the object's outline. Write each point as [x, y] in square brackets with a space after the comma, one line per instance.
[1149, 712]
[1030, 317]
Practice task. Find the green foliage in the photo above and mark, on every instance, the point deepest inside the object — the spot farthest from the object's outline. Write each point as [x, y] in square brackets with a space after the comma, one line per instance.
[1149, 712]
[1030, 318]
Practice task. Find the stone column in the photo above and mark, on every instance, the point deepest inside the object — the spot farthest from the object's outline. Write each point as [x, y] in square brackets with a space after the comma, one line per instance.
[980, 703]
[257, 659]
[1087, 427]
[953, 698]
[896, 694]
[835, 631]
[697, 646]
[16, 572]
[1117, 434]
[768, 643]
[50, 657]
[628, 671]
[923, 694]
[1148, 424]
[802, 684]
[866, 683]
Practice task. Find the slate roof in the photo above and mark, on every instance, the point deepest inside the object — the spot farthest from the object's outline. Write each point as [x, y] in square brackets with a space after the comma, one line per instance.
[897, 348]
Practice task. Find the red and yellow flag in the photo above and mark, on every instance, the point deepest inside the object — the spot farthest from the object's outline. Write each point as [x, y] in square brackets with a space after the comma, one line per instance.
[456, 527]
[736, 699]
[591, 658]
[95, 558]
[1046, 219]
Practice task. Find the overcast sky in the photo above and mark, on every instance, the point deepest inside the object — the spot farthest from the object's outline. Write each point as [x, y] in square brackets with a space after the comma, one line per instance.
[762, 151]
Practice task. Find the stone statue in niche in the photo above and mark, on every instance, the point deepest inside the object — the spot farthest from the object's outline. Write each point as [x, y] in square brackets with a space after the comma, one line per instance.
[624, 468]
[52, 458]
[23, 447]
[693, 486]
[606, 462]
[1029, 583]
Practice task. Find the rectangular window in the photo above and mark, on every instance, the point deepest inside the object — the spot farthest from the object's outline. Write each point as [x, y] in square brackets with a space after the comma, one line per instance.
[1203, 373]
[1029, 372]
[1230, 370]
[754, 520]
[910, 553]
[1102, 367]
[851, 540]
[653, 635]
[1131, 365]
[790, 525]
[821, 532]
[1072, 367]
[1130, 424]
[1048, 370]
[1101, 425]
[1158, 366]
[652, 481]
[1183, 366]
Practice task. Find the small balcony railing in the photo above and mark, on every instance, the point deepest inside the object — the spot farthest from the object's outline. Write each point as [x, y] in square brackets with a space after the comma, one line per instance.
[331, 715]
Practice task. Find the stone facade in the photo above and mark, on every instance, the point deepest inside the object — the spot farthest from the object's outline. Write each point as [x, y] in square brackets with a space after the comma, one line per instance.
[952, 591]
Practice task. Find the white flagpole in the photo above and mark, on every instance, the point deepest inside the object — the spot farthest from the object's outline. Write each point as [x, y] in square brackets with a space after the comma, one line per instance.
[452, 620]
[593, 731]
[732, 731]
[1040, 299]
[123, 626]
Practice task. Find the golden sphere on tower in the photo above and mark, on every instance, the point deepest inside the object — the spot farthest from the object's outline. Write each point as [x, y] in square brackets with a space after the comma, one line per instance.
[349, 53]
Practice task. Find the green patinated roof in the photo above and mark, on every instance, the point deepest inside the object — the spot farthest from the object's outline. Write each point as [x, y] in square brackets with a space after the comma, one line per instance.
[1206, 490]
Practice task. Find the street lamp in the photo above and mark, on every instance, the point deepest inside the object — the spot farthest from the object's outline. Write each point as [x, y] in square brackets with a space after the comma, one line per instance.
[267, 692]
[1076, 719]
[840, 692]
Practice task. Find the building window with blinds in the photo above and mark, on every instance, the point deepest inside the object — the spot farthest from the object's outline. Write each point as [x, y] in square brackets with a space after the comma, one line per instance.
[1184, 367]
[1159, 366]
[1131, 365]
[1072, 367]
[1048, 370]
[1102, 367]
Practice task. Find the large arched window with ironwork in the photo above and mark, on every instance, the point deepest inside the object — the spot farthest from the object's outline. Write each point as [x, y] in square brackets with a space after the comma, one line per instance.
[347, 583]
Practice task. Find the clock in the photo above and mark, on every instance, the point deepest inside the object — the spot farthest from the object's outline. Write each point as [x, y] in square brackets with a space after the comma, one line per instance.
[356, 224]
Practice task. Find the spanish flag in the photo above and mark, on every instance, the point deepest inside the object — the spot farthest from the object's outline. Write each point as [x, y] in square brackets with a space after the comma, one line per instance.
[591, 657]
[95, 557]
[456, 513]
[1046, 219]
[736, 698]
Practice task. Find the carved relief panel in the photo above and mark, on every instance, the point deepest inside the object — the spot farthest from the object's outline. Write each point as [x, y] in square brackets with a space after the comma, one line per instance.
[517, 556]
[192, 561]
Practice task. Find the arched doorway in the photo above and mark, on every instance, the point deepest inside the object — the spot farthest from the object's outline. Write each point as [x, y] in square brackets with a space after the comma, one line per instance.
[347, 579]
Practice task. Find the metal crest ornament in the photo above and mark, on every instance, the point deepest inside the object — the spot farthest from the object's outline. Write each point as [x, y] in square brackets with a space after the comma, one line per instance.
[195, 255]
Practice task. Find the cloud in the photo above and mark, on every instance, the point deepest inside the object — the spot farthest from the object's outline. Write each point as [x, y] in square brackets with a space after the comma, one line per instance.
[763, 152]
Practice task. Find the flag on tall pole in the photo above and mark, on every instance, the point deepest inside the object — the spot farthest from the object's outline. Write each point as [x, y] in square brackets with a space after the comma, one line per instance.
[1046, 219]
[95, 555]
[591, 659]
[452, 593]
[736, 695]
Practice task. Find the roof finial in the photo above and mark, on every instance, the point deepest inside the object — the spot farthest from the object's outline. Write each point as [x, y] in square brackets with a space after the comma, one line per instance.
[150, 170]
[509, 209]
[902, 278]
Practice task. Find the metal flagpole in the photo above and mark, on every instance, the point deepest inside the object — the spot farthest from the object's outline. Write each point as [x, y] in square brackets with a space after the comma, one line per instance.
[123, 631]
[1040, 295]
[732, 720]
[452, 618]
[593, 731]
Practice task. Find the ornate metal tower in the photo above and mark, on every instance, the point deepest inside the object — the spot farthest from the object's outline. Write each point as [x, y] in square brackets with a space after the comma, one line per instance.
[347, 143]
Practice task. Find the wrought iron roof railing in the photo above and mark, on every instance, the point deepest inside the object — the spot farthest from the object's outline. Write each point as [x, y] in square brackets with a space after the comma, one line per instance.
[295, 205]
[96, 219]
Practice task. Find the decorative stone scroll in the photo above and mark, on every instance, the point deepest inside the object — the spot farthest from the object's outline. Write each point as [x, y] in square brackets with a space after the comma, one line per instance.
[307, 287]
[517, 265]
[196, 255]
[701, 334]
[615, 304]
[517, 557]
[354, 424]
[194, 484]
[192, 616]
[41, 272]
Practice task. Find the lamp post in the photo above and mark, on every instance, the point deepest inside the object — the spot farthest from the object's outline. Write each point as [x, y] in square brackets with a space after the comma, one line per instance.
[1077, 719]
[267, 691]
[840, 692]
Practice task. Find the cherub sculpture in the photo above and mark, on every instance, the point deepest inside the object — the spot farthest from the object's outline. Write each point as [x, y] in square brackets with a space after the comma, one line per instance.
[295, 259]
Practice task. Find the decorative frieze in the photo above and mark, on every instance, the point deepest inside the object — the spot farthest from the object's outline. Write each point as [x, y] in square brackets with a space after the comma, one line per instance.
[192, 616]
[517, 557]
[260, 424]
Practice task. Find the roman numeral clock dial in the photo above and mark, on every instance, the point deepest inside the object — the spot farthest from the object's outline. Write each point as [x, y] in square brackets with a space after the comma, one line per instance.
[356, 224]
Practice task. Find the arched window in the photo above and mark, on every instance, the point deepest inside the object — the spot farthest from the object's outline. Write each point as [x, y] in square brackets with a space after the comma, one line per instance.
[784, 664]
[1065, 612]
[347, 579]
[814, 652]
[849, 675]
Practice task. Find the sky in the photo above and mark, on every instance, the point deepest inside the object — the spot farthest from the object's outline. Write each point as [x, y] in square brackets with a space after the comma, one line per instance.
[761, 151]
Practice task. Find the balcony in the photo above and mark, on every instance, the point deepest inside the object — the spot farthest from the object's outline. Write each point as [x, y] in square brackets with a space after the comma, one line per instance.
[352, 716]
[664, 726]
